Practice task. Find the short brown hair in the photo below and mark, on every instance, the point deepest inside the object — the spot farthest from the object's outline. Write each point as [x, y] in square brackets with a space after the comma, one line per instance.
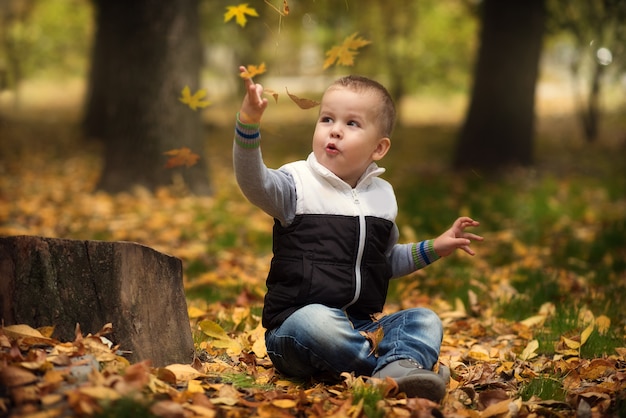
[387, 107]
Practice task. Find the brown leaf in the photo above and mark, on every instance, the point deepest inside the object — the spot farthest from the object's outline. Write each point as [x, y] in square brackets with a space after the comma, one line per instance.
[374, 337]
[182, 156]
[302, 103]
[16, 376]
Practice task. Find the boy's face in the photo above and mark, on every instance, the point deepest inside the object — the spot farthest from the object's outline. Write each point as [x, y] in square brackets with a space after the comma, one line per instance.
[347, 135]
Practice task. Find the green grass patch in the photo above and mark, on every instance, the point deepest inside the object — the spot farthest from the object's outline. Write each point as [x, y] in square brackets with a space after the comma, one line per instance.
[546, 388]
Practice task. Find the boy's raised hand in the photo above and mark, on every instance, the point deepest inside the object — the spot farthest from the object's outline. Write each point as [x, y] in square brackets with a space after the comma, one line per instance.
[254, 103]
[456, 238]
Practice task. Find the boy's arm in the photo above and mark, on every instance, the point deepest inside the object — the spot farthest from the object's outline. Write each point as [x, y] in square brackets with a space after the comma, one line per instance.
[407, 258]
[273, 191]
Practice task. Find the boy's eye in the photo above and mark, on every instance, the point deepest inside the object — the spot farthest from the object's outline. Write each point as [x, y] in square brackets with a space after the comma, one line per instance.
[353, 123]
[325, 119]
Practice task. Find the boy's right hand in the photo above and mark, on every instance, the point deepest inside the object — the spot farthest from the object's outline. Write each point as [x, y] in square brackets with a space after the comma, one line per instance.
[254, 104]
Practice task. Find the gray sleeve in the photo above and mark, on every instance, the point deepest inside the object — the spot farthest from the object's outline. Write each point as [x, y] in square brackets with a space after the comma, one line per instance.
[407, 258]
[271, 190]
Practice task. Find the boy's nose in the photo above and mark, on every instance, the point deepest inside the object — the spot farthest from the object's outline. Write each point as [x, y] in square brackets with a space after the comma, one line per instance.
[335, 132]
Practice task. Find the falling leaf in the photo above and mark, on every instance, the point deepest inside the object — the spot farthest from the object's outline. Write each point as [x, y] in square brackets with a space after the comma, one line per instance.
[271, 93]
[344, 54]
[194, 101]
[179, 157]
[239, 13]
[302, 103]
[253, 70]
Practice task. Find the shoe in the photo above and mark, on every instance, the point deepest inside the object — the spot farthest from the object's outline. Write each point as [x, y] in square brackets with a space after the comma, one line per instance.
[415, 381]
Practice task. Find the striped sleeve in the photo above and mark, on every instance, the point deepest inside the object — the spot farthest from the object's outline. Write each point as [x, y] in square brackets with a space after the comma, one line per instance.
[247, 135]
[424, 253]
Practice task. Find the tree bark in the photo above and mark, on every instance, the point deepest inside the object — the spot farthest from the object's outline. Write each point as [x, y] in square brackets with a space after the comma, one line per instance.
[61, 283]
[144, 54]
[499, 125]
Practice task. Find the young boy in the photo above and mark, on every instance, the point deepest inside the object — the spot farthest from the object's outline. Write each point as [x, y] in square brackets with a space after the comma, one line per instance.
[335, 245]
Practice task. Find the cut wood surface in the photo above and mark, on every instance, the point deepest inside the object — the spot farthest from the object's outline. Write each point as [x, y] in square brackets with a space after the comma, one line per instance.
[62, 283]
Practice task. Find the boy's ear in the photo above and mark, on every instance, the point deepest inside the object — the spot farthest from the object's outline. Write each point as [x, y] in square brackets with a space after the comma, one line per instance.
[381, 149]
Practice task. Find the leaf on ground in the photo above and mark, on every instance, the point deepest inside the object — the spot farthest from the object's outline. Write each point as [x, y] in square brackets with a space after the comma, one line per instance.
[530, 351]
[344, 54]
[194, 101]
[181, 157]
[184, 372]
[604, 323]
[221, 338]
[239, 12]
[302, 102]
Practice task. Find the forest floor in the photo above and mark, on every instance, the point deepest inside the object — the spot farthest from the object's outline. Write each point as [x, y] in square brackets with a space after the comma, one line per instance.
[535, 324]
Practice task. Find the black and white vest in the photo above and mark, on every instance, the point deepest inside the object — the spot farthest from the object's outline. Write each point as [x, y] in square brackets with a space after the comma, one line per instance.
[335, 251]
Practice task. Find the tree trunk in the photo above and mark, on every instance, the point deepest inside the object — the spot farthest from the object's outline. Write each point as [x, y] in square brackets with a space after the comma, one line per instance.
[499, 125]
[143, 56]
[61, 283]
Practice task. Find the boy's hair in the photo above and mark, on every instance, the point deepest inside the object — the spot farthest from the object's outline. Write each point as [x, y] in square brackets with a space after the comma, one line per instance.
[387, 108]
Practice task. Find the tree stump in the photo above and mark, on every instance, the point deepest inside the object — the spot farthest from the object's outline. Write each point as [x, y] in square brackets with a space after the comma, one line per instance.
[61, 283]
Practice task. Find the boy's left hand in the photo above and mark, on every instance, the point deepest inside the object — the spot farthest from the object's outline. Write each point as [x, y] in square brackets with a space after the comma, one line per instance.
[456, 238]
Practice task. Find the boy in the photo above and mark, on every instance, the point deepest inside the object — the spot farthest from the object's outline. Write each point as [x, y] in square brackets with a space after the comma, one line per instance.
[335, 245]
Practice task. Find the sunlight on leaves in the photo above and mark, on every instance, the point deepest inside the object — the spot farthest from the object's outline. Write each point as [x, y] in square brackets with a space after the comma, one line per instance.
[239, 13]
[344, 54]
[194, 101]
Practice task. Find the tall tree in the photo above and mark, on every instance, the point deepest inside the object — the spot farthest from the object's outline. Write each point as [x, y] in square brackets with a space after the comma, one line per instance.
[143, 56]
[499, 125]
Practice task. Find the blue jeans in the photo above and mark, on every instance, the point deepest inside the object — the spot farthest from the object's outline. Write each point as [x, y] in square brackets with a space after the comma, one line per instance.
[320, 341]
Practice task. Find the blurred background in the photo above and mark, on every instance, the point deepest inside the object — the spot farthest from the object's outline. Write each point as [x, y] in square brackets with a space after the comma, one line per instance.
[513, 112]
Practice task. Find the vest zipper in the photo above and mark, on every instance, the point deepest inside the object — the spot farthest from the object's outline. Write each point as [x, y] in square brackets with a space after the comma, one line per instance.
[359, 255]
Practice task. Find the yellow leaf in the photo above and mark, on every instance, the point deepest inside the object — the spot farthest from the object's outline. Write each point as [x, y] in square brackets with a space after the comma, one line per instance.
[284, 403]
[102, 393]
[530, 351]
[194, 101]
[184, 372]
[570, 343]
[478, 352]
[239, 13]
[496, 409]
[195, 386]
[194, 312]
[253, 70]
[536, 320]
[344, 54]
[584, 336]
[212, 329]
[27, 334]
[604, 323]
